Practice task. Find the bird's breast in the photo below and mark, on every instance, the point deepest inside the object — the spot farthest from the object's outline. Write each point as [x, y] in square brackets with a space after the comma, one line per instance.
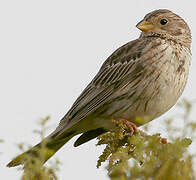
[162, 81]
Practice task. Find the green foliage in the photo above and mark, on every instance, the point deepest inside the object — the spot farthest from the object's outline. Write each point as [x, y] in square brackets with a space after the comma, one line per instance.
[146, 157]
[34, 167]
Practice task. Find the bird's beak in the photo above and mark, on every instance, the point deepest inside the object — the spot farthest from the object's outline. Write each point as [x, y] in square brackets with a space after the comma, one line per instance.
[145, 26]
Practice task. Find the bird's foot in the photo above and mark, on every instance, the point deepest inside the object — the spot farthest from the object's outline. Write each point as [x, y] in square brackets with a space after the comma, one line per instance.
[131, 126]
[163, 141]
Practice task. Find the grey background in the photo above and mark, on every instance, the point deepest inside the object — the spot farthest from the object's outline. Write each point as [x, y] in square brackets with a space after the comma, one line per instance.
[49, 52]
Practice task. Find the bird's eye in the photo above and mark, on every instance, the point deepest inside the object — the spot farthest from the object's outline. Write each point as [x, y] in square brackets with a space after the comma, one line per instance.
[163, 21]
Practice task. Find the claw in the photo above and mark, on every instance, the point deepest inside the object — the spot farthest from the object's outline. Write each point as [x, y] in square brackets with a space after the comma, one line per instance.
[132, 127]
[163, 141]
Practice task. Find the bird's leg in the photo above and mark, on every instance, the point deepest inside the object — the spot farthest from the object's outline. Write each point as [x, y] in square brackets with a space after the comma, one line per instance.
[132, 127]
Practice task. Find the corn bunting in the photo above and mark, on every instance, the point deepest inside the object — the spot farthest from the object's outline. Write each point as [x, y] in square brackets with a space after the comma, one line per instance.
[143, 78]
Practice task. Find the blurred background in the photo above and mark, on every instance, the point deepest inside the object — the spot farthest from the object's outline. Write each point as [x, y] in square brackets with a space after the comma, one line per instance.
[49, 52]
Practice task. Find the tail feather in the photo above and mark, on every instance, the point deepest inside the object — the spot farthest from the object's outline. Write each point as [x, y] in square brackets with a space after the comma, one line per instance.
[44, 150]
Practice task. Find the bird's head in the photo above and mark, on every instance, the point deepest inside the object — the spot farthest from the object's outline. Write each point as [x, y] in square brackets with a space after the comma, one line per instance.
[164, 23]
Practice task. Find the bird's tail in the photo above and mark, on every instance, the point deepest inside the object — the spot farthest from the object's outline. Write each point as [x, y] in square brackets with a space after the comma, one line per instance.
[43, 151]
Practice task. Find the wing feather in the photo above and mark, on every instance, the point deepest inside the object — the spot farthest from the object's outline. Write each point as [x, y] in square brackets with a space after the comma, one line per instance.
[118, 66]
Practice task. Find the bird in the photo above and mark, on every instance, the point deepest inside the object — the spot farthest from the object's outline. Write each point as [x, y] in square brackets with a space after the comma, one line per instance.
[143, 78]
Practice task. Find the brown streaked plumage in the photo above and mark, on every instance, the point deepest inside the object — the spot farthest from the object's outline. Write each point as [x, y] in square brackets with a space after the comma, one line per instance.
[144, 77]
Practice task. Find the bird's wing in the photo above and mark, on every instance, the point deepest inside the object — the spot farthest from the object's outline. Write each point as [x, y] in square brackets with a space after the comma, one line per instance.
[120, 64]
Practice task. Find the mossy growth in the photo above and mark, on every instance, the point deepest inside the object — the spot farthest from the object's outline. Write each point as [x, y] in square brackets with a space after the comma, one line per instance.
[149, 157]
[34, 168]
